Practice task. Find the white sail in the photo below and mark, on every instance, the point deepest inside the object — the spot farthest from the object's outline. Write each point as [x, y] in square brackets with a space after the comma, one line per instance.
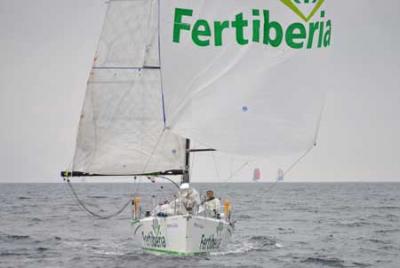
[130, 35]
[231, 87]
[242, 77]
[121, 129]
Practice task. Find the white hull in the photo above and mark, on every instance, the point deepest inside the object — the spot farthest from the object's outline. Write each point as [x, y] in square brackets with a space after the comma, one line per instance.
[181, 234]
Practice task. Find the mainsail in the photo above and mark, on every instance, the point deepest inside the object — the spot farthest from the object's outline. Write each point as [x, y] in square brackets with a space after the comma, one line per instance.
[240, 76]
[121, 130]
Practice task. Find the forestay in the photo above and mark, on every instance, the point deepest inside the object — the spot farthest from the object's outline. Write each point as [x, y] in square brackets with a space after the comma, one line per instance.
[121, 129]
[245, 76]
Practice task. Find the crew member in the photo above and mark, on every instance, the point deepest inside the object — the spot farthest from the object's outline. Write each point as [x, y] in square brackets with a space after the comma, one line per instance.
[212, 204]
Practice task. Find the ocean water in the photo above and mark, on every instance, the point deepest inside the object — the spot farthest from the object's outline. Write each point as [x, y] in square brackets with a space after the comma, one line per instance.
[282, 225]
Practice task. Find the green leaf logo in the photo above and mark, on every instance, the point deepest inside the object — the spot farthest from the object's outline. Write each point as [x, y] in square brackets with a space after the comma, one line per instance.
[156, 227]
[293, 5]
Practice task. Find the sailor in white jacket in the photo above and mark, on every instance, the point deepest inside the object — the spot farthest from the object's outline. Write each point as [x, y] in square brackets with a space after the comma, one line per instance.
[212, 205]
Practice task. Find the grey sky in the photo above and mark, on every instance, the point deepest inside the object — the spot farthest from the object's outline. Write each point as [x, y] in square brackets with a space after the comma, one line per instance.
[47, 49]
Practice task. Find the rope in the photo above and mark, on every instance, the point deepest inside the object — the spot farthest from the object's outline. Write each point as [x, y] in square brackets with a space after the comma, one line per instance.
[298, 160]
[151, 156]
[237, 170]
[309, 149]
[91, 212]
[272, 186]
[119, 211]
[314, 142]
[290, 168]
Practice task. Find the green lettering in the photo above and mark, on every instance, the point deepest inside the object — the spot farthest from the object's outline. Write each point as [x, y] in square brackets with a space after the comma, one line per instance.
[295, 35]
[239, 23]
[313, 28]
[268, 40]
[321, 34]
[201, 29]
[179, 25]
[256, 26]
[218, 29]
[327, 36]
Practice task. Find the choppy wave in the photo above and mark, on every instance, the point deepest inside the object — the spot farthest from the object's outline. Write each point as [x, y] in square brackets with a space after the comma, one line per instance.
[13, 236]
[254, 243]
[387, 231]
[98, 196]
[325, 261]
[8, 254]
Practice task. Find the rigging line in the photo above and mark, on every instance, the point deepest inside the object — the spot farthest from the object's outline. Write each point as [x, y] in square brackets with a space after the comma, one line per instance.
[72, 192]
[237, 170]
[69, 190]
[215, 165]
[319, 120]
[171, 181]
[272, 186]
[314, 142]
[269, 189]
[118, 212]
[162, 88]
[299, 159]
[153, 151]
[159, 62]
[83, 206]
[308, 149]
[152, 154]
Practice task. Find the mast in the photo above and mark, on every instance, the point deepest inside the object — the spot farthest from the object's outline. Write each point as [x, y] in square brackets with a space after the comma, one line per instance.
[186, 175]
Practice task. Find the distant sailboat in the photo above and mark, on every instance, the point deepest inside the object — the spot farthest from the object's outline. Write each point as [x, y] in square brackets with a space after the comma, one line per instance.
[280, 175]
[256, 174]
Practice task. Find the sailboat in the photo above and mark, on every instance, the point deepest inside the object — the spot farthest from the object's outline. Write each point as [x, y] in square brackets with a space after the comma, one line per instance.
[256, 174]
[231, 76]
[281, 175]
